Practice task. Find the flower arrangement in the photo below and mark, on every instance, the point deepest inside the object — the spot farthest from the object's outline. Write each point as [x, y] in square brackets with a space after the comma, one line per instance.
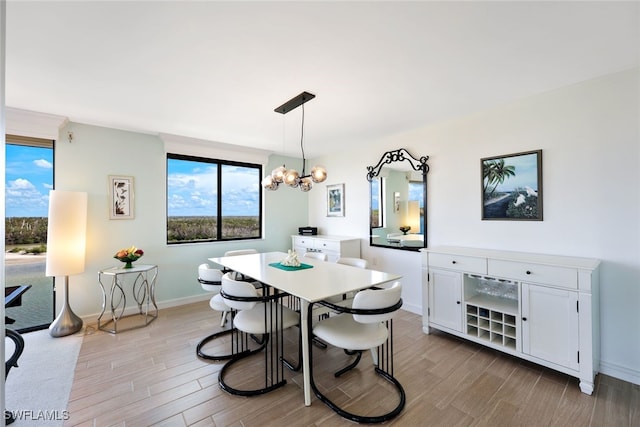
[129, 255]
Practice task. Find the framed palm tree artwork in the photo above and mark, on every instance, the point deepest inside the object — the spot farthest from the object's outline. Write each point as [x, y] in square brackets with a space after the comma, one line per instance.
[512, 187]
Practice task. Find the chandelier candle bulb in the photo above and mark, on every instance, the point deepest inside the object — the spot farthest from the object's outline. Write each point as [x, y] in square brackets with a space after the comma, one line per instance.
[305, 184]
[278, 174]
[318, 174]
[291, 178]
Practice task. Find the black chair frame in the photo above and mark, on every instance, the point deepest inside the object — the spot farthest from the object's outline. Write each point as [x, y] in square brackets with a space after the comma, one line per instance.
[201, 354]
[199, 348]
[273, 344]
[384, 367]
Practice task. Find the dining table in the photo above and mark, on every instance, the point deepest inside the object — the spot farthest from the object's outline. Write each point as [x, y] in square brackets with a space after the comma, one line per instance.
[314, 280]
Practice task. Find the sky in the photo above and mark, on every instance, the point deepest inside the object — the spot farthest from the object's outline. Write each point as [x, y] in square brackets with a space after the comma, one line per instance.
[526, 169]
[28, 179]
[192, 189]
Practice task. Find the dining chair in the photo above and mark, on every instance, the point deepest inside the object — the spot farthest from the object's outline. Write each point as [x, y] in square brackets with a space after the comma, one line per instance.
[210, 280]
[12, 361]
[367, 325]
[256, 314]
[316, 255]
[356, 262]
[239, 276]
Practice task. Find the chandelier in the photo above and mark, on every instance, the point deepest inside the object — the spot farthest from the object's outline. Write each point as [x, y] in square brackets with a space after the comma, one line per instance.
[291, 177]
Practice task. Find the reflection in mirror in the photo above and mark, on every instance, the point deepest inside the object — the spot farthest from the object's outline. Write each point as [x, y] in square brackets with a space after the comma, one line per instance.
[398, 200]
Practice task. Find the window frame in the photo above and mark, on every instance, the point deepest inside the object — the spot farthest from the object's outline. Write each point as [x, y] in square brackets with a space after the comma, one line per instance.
[219, 219]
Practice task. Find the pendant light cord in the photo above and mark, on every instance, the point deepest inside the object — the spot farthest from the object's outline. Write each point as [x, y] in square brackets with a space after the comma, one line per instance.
[302, 143]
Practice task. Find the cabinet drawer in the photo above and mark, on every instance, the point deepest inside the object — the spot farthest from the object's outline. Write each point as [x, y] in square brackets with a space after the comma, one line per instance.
[327, 245]
[303, 241]
[535, 273]
[457, 262]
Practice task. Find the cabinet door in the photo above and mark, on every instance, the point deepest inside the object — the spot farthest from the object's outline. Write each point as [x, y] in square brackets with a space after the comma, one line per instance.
[550, 324]
[445, 295]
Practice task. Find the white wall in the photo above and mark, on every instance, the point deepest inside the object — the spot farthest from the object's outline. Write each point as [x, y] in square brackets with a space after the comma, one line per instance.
[84, 165]
[589, 136]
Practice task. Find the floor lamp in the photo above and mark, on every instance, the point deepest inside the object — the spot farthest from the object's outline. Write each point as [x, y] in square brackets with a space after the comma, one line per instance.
[66, 242]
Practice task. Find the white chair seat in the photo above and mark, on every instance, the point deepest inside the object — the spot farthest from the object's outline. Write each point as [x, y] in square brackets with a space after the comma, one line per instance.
[344, 332]
[253, 321]
[217, 303]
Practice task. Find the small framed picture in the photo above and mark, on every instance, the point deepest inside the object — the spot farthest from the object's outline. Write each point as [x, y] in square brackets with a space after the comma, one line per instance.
[121, 197]
[512, 187]
[335, 200]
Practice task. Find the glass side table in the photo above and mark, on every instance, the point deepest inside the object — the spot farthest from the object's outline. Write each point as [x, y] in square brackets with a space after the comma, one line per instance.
[143, 281]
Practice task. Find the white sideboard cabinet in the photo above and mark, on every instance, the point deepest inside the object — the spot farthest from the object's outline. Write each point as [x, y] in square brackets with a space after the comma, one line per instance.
[334, 246]
[542, 308]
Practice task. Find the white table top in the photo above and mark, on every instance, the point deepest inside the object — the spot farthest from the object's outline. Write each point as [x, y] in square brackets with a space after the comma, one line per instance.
[324, 280]
[137, 268]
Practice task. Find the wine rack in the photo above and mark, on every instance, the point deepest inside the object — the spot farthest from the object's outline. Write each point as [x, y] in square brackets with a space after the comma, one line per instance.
[490, 325]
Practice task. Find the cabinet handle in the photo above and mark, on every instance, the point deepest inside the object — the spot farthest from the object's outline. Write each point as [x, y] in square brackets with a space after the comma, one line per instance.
[457, 302]
[453, 262]
[524, 319]
[528, 272]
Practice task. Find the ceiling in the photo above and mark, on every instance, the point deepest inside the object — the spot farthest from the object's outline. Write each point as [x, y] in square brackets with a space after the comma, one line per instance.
[217, 70]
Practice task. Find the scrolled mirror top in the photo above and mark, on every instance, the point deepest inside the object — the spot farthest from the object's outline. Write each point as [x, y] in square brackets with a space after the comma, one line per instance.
[399, 155]
[398, 201]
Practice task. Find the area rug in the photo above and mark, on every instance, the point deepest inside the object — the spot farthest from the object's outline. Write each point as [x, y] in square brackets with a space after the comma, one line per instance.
[37, 391]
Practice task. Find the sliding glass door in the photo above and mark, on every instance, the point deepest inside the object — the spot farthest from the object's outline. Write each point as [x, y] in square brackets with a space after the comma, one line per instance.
[28, 179]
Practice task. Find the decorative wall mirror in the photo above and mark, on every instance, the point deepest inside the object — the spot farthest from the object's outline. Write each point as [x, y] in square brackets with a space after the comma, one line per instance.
[398, 201]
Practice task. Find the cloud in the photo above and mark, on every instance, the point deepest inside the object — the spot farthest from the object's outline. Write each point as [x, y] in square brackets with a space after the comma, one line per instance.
[23, 199]
[20, 184]
[42, 163]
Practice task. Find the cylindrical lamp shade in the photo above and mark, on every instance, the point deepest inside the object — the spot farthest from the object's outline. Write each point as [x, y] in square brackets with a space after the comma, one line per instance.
[66, 233]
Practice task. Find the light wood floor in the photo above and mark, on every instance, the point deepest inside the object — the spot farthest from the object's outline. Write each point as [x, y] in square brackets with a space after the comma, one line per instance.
[151, 376]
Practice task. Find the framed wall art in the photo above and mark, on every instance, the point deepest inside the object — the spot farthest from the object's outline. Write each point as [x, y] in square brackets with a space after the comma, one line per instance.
[335, 200]
[121, 197]
[512, 187]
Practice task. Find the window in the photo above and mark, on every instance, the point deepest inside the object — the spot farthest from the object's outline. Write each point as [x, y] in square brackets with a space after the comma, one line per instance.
[28, 177]
[377, 203]
[212, 200]
[416, 193]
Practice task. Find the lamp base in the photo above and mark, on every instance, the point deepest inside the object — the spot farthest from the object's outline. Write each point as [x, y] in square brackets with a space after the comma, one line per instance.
[67, 322]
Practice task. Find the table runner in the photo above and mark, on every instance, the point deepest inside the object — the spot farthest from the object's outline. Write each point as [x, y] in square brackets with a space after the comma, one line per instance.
[302, 266]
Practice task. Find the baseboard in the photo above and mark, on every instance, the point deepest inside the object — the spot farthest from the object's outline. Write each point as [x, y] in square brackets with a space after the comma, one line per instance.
[620, 372]
[93, 318]
[412, 308]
